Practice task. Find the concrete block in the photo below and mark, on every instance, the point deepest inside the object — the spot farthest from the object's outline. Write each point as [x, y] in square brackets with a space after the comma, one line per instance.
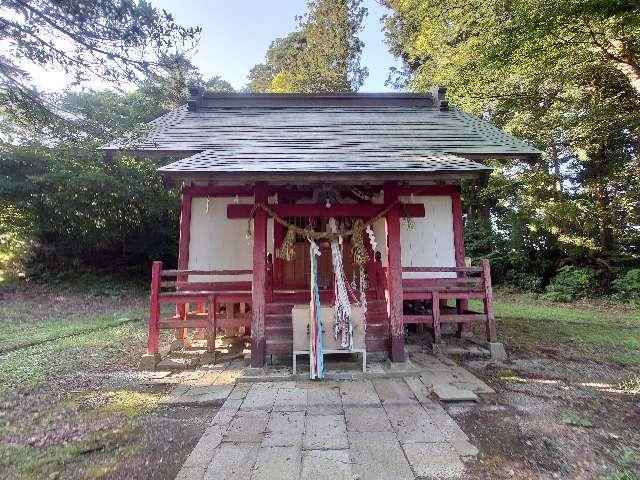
[434, 460]
[367, 419]
[498, 352]
[149, 361]
[325, 432]
[378, 456]
[326, 465]
[232, 460]
[277, 462]
[284, 429]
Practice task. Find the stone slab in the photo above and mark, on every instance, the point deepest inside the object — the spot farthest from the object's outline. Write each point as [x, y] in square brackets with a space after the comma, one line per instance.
[378, 456]
[498, 352]
[324, 400]
[205, 449]
[367, 419]
[178, 363]
[232, 460]
[449, 393]
[284, 429]
[326, 465]
[226, 412]
[394, 390]
[247, 426]
[192, 473]
[149, 361]
[282, 463]
[259, 397]
[359, 394]
[325, 432]
[434, 460]
[290, 399]
[412, 424]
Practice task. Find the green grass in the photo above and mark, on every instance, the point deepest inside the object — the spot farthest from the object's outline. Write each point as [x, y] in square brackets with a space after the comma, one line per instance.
[611, 335]
[17, 334]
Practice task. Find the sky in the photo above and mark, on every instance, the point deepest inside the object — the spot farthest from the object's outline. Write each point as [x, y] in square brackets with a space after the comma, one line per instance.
[236, 34]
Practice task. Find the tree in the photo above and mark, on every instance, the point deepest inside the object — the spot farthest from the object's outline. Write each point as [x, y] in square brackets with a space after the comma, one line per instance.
[114, 40]
[323, 55]
[218, 84]
[561, 74]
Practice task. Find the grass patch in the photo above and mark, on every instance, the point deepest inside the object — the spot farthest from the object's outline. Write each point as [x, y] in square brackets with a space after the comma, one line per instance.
[575, 420]
[129, 403]
[611, 335]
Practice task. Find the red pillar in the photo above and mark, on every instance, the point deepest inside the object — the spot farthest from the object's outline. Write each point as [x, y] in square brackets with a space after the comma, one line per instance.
[258, 285]
[154, 309]
[183, 250]
[458, 241]
[394, 274]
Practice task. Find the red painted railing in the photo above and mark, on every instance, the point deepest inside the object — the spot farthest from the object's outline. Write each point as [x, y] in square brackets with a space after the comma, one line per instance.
[471, 282]
[181, 292]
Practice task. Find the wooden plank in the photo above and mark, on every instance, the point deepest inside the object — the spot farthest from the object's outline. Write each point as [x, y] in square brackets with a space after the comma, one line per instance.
[394, 273]
[418, 318]
[457, 318]
[443, 269]
[173, 273]
[259, 278]
[212, 312]
[441, 282]
[154, 309]
[219, 191]
[180, 323]
[320, 210]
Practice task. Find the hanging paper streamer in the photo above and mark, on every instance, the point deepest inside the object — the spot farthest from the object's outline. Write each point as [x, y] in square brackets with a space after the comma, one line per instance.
[342, 306]
[316, 366]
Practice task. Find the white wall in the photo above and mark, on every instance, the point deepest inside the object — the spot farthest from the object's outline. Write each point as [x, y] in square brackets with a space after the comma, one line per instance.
[218, 243]
[431, 243]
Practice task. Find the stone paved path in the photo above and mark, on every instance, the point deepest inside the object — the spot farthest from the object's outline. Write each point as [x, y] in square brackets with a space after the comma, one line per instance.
[335, 430]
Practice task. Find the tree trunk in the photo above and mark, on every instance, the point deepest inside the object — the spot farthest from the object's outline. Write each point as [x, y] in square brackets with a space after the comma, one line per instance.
[605, 233]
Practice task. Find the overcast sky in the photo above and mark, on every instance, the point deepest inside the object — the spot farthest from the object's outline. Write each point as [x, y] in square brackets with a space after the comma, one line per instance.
[236, 35]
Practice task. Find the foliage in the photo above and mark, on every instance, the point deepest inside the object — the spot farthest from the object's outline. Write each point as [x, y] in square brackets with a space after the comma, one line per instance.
[112, 40]
[626, 286]
[573, 283]
[572, 418]
[563, 75]
[323, 55]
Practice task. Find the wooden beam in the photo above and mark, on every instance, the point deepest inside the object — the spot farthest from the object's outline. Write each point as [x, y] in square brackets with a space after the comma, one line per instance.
[219, 191]
[435, 190]
[366, 210]
[394, 274]
[154, 309]
[458, 243]
[258, 295]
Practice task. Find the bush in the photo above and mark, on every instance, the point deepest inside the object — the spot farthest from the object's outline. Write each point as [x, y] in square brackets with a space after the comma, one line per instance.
[573, 283]
[626, 287]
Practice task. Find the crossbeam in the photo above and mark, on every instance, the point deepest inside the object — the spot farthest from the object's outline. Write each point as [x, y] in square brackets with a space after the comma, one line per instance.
[361, 210]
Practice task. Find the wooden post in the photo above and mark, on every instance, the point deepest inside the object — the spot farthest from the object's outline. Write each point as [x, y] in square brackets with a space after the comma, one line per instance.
[462, 305]
[488, 302]
[183, 252]
[258, 294]
[154, 309]
[278, 263]
[211, 325]
[269, 279]
[435, 310]
[394, 274]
